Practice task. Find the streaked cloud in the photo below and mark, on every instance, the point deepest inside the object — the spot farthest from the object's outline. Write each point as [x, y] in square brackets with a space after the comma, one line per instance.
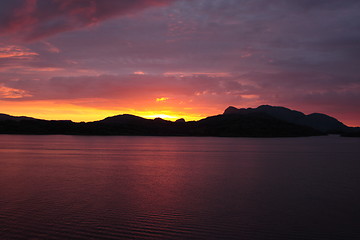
[13, 51]
[12, 93]
[37, 19]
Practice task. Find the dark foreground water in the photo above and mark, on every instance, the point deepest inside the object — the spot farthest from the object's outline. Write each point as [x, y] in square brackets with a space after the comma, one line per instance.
[72, 187]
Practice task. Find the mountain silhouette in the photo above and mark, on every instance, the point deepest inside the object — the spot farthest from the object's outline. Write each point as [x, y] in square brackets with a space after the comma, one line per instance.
[5, 117]
[263, 121]
[318, 121]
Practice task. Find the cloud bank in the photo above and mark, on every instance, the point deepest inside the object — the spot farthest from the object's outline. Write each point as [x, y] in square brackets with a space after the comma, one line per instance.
[199, 54]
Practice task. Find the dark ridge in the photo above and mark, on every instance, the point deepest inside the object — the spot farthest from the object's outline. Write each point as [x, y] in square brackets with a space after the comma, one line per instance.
[264, 121]
[180, 120]
[353, 132]
[318, 121]
[5, 117]
[231, 110]
[123, 119]
[252, 125]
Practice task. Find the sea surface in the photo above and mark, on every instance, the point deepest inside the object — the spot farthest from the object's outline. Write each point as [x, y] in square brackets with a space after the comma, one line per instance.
[84, 187]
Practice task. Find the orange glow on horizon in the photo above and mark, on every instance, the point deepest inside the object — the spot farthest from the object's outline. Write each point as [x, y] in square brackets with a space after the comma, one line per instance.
[167, 115]
[87, 110]
[55, 110]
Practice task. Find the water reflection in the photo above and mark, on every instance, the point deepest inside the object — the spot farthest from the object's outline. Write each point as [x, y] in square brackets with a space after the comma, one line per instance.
[55, 187]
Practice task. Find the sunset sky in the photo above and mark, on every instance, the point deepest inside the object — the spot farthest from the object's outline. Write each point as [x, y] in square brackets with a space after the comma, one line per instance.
[88, 59]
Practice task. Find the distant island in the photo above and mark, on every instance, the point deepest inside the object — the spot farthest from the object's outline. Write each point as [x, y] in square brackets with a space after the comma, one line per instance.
[263, 121]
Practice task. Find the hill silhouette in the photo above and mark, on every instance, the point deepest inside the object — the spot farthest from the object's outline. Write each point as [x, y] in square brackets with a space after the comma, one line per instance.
[5, 117]
[264, 121]
[318, 121]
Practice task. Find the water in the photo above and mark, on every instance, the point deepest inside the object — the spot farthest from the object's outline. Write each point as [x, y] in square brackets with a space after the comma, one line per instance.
[73, 187]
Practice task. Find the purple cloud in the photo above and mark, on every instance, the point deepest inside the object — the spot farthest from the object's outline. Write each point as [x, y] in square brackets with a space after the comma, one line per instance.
[37, 19]
[301, 54]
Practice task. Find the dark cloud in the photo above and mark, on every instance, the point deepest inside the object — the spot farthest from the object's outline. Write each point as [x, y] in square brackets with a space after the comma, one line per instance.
[36, 19]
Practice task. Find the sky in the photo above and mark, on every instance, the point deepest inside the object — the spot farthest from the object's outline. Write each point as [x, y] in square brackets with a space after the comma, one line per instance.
[85, 60]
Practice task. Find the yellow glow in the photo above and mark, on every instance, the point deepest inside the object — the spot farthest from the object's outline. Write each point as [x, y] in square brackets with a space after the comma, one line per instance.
[163, 116]
[62, 110]
[167, 115]
[54, 111]
[162, 99]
